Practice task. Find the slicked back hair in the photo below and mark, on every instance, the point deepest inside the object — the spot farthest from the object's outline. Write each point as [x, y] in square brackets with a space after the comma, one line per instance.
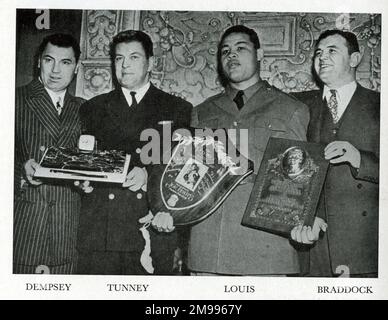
[130, 36]
[350, 37]
[61, 40]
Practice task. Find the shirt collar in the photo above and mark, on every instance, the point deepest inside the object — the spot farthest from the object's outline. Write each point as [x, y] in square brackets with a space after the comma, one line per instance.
[55, 96]
[343, 94]
[248, 92]
[140, 93]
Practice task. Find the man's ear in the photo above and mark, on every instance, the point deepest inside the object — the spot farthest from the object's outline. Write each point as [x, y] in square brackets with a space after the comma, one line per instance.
[355, 59]
[76, 68]
[260, 54]
[151, 61]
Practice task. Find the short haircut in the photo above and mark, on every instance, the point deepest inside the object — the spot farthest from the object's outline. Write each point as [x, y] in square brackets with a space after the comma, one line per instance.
[61, 40]
[253, 37]
[130, 36]
[350, 37]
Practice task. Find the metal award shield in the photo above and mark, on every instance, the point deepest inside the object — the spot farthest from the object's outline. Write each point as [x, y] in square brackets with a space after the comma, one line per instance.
[287, 187]
[190, 187]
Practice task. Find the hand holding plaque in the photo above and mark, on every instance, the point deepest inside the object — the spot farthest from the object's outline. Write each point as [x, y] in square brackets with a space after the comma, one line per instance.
[287, 189]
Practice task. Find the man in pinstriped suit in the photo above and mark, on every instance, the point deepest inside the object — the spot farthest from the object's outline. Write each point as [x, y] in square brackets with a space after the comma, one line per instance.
[46, 213]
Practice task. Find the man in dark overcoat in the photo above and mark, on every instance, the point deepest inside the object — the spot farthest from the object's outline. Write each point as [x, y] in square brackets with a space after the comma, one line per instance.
[110, 241]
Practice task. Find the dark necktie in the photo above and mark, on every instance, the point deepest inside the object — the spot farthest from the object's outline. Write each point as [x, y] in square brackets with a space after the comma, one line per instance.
[333, 105]
[59, 106]
[134, 102]
[238, 99]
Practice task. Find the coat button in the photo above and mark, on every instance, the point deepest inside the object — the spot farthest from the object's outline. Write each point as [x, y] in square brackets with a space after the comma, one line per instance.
[138, 150]
[139, 196]
[42, 148]
[235, 123]
[111, 196]
[359, 186]
[364, 213]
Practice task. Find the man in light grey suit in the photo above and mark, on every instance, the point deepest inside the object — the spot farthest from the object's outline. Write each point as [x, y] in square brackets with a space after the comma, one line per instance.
[220, 244]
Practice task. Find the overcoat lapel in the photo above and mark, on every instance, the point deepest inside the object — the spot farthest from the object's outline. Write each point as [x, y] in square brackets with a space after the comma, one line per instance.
[118, 111]
[227, 105]
[253, 104]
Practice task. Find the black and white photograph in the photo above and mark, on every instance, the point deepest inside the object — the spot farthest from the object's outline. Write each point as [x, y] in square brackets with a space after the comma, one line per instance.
[106, 86]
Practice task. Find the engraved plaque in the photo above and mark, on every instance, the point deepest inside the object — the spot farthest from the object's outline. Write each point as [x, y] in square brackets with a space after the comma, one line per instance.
[287, 187]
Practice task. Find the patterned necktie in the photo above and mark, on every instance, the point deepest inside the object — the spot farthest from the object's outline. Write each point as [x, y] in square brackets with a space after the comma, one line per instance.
[59, 106]
[238, 99]
[333, 105]
[134, 102]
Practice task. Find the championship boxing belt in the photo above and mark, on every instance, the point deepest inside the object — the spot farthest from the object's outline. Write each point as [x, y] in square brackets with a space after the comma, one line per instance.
[200, 174]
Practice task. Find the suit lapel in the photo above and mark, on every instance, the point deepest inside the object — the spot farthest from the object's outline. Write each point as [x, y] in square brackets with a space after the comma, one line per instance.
[69, 120]
[41, 105]
[316, 105]
[355, 108]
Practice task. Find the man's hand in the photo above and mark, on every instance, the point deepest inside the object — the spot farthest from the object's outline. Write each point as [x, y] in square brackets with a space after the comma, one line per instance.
[343, 151]
[136, 179]
[84, 186]
[306, 235]
[163, 222]
[29, 169]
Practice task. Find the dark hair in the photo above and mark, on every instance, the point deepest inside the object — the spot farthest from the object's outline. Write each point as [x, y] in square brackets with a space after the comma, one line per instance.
[61, 40]
[350, 37]
[129, 36]
[242, 29]
[253, 37]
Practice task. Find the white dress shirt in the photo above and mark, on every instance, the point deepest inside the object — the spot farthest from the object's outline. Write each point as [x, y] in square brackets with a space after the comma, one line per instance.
[344, 95]
[140, 93]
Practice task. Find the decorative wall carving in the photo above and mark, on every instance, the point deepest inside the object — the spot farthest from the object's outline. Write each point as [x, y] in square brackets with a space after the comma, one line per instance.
[101, 26]
[277, 34]
[185, 47]
[98, 29]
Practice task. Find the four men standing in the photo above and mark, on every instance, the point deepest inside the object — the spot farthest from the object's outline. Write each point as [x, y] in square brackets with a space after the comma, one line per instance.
[109, 240]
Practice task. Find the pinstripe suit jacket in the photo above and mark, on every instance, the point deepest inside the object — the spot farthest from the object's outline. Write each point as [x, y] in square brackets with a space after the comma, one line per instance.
[45, 216]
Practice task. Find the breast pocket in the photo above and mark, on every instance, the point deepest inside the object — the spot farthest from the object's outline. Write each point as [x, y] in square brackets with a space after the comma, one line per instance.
[266, 128]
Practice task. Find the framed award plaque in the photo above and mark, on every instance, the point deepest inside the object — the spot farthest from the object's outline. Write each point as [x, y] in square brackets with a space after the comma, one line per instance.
[287, 187]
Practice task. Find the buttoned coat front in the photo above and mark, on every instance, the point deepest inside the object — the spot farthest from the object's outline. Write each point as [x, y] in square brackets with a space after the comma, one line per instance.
[349, 202]
[220, 244]
[110, 214]
[45, 216]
